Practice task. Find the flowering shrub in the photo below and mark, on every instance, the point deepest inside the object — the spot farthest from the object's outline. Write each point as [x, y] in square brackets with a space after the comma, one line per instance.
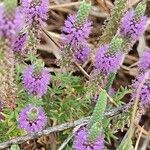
[34, 99]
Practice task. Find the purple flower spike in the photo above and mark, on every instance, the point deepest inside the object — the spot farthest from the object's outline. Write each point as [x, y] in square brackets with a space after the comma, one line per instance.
[36, 84]
[81, 143]
[10, 27]
[130, 28]
[73, 35]
[145, 91]
[19, 43]
[105, 63]
[126, 22]
[139, 28]
[144, 62]
[82, 54]
[32, 119]
[36, 11]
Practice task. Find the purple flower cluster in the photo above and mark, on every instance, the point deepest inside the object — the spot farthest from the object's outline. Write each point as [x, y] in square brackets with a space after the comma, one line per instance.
[144, 92]
[36, 11]
[82, 54]
[144, 61]
[81, 143]
[32, 119]
[36, 84]
[19, 43]
[73, 35]
[144, 66]
[9, 27]
[131, 28]
[105, 63]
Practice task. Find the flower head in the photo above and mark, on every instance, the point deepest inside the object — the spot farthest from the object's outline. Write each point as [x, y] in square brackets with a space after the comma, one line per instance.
[73, 35]
[131, 28]
[19, 43]
[144, 61]
[36, 11]
[10, 25]
[105, 63]
[144, 92]
[81, 142]
[82, 54]
[36, 83]
[32, 119]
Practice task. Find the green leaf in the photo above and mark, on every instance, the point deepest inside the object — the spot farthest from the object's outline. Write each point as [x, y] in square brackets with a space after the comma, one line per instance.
[127, 145]
[12, 128]
[35, 101]
[121, 93]
[109, 134]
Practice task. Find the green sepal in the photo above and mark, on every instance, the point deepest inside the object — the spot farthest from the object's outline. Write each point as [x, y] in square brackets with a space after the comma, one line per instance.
[83, 13]
[115, 45]
[10, 6]
[140, 10]
[112, 23]
[94, 132]
[14, 147]
[39, 65]
[33, 114]
[110, 81]
[126, 45]
[99, 109]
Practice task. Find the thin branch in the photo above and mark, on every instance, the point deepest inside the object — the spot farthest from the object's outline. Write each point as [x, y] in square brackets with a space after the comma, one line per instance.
[82, 70]
[49, 36]
[145, 132]
[70, 136]
[109, 97]
[59, 128]
[63, 145]
[65, 5]
[104, 6]
[138, 140]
